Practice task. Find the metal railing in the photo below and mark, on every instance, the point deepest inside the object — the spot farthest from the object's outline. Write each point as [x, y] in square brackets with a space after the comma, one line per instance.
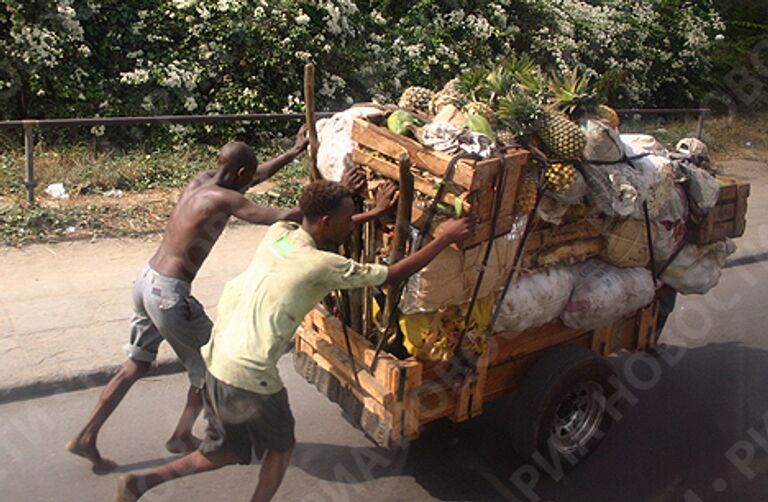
[31, 124]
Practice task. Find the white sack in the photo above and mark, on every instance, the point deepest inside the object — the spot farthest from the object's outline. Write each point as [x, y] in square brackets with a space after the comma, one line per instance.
[697, 269]
[535, 300]
[603, 294]
[335, 137]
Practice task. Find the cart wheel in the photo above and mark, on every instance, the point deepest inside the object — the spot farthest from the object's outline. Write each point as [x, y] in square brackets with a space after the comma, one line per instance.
[560, 414]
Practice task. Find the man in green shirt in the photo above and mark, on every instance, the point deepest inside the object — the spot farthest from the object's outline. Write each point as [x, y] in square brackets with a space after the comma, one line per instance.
[258, 313]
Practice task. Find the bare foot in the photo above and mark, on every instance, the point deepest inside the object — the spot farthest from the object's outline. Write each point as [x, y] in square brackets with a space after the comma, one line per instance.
[186, 444]
[127, 490]
[89, 452]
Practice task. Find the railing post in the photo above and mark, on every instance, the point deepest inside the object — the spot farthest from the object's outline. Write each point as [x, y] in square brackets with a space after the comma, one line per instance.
[700, 125]
[29, 148]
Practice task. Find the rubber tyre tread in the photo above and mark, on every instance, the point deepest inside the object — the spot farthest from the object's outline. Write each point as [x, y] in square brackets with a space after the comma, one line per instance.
[559, 369]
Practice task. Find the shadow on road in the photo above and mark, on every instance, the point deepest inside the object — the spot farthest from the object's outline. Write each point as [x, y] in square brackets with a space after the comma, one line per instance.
[686, 410]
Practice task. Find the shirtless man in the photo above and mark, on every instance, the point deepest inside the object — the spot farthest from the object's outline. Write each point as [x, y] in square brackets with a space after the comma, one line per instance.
[164, 308]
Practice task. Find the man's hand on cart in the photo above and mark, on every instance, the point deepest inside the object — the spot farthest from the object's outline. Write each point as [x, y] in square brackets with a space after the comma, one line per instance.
[386, 198]
[456, 231]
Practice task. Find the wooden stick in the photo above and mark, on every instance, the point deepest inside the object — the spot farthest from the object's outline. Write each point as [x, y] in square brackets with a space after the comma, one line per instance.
[402, 224]
[369, 245]
[309, 102]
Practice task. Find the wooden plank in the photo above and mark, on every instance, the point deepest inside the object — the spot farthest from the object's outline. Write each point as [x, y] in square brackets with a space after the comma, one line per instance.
[435, 401]
[389, 170]
[340, 359]
[393, 145]
[646, 332]
[463, 393]
[511, 344]
[724, 212]
[330, 328]
[413, 379]
[578, 251]
[601, 340]
[478, 390]
[506, 377]
[370, 403]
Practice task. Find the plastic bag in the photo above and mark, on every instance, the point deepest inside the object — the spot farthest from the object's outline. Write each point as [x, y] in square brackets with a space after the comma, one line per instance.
[697, 269]
[433, 336]
[335, 137]
[550, 209]
[666, 199]
[668, 238]
[535, 300]
[637, 143]
[616, 189]
[703, 189]
[603, 143]
[604, 294]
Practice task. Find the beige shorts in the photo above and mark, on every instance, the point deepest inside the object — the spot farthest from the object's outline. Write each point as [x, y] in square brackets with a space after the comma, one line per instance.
[164, 309]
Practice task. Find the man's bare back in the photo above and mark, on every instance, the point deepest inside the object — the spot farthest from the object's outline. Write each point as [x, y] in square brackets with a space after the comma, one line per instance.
[193, 228]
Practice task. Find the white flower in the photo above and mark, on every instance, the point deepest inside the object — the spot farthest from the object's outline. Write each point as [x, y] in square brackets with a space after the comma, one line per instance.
[302, 19]
[98, 130]
[190, 104]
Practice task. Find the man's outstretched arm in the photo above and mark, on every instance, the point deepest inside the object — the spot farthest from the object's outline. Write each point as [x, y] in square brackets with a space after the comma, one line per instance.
[386, 200]
[247, 210]
[265, 170]
[450, 232]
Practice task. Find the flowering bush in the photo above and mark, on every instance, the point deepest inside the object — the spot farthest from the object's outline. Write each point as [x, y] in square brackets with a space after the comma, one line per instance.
[106, 57]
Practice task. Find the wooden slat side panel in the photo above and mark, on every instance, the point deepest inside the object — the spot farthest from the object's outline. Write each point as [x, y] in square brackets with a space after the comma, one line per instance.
[435, 401]
[329, 328]
[393, 145]
[340, 360]
[390, 170]
[509, 344]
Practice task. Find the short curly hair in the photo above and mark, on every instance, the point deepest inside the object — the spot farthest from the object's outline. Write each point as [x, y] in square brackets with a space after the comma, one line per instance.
[322, 197]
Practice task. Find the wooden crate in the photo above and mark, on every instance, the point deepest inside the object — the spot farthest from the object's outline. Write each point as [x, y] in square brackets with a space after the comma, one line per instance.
[394, 402]
[379, 149]
[728, 219]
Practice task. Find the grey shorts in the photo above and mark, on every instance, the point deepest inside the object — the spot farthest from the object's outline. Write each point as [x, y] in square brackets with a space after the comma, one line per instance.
[164, 309]
[244, 422]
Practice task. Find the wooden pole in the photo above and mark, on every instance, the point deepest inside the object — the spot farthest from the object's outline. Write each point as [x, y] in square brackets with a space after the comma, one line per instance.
[402, 225]
[369, 250]
[309, 102]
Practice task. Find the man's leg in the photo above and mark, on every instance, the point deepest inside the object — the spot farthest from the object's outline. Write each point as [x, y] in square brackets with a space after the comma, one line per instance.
[272, 471]
[131, 487]
[84, 443]
[182, 440]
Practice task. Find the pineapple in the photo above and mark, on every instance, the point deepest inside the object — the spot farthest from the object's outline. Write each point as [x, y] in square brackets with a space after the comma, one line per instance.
[472, 84]
[608, 114]
[415, 98]
[444, 98]
[453, 86]
[562, 138]
[506, 137]
[482, 109]
[560, 177]
[519, 112]
[526, 194]
[573, 96]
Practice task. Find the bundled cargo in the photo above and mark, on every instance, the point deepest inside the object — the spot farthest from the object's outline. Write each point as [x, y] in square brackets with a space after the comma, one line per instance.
[540, 161]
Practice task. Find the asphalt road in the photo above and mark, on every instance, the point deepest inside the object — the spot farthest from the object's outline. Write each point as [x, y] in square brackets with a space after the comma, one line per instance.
[694, 427]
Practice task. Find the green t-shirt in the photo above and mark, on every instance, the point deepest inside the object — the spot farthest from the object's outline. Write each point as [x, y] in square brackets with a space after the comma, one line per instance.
[260, 309]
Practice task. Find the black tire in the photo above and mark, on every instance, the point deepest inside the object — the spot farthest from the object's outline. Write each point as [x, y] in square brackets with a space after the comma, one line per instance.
[560, 412]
